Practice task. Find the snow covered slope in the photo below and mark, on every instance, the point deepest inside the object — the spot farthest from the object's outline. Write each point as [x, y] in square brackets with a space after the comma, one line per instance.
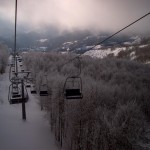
[138, 52]
[102, 53]
[16, 134]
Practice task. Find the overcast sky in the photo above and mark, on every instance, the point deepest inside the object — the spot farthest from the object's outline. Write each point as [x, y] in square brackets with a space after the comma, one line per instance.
[96, 15]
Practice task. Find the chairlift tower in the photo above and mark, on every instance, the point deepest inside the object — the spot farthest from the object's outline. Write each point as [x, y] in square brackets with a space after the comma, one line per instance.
[17, 93]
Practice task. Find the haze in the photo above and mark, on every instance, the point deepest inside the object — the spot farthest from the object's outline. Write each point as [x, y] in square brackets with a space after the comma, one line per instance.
[94, 15]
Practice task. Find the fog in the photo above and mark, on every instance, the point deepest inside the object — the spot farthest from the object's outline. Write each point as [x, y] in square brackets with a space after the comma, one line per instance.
[95, 15]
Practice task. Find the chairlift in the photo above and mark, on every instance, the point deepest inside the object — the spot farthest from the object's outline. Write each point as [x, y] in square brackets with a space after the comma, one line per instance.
[28, 85]
[12, 68]
[43, 87]
[44, 90]
[20, 59]
[15, 80]
[73, 88]
[73, 85]
[33, 89]
[15, 94]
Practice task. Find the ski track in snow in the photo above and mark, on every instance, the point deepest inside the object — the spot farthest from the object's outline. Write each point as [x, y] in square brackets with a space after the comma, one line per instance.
[16, 134]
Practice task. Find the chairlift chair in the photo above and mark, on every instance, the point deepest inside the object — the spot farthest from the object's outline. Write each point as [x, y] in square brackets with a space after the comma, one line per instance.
[28, 85]
[15, 94]
[12, 68]
[44, 90]
[73, 88]
[33, 89]
[20, 59]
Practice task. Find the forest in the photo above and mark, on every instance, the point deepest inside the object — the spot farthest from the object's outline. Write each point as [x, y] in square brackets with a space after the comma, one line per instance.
[114, 112]
[3, 57]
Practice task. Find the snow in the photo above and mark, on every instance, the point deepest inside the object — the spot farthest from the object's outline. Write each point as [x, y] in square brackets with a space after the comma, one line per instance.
[43, 40]
[64, 52]
[24, 52]
[130, 47]
[137, 41]
[97, 47]
[101, 53]
[98, 53]
[16, 134]
[118, 50]
[148, 62]
[132, 55]
[68, 43]
[87, 47]
[142, 46]
[127, 43]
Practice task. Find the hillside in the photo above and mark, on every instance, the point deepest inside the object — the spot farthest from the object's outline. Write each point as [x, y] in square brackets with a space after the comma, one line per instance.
[114, 112]
[133, 51]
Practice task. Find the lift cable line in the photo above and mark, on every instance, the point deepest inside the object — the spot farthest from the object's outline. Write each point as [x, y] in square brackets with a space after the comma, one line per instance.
[109, 37]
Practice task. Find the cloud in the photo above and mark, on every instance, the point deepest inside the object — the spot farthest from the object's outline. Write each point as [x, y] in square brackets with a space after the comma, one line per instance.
[96, 15]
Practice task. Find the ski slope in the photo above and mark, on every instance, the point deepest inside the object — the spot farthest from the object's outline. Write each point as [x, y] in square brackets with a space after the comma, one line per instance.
[16, 134]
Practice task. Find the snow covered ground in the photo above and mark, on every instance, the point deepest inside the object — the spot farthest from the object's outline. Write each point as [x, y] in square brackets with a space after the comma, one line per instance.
[101, 53]
[16, 134]
[98, 53]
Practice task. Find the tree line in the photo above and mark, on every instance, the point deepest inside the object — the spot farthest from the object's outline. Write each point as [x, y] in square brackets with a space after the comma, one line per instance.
[114, 112]
[3, 58]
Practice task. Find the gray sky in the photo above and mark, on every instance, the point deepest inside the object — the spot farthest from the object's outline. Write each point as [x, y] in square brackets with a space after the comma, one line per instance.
[97, 15]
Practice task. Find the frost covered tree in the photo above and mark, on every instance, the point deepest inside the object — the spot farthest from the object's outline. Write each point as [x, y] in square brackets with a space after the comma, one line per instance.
[3, 57]
[114, 112]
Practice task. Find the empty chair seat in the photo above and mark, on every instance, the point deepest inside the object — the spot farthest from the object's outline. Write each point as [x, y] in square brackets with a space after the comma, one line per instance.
[17, 98]
[28, 85]
[44, 90]
[73, 88]
[73, 94]
[33, 90]
[43, 93]
[16, 95]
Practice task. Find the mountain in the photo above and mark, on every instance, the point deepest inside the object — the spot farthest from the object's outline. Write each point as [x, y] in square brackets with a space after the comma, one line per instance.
[78, 41]
[138, 50]
[56, 40]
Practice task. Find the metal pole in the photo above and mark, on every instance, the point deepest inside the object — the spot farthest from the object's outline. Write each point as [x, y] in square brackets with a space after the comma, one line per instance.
[15, 53]
[23, 102]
